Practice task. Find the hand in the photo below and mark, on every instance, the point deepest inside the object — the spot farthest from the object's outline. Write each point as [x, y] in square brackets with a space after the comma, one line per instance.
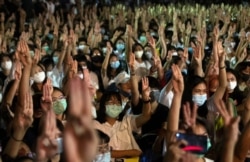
[73, 68]
[225, 112]
[197, 55]
[23, 118]
[174, 151]
[79, 136]
[177, 80]
[18, 71]
[46, 102]
[151, 41]
[47, 146]
[190, 117]
[145, 89]
[109, 48]
[22, 53]
[216, 32]
[37, 57]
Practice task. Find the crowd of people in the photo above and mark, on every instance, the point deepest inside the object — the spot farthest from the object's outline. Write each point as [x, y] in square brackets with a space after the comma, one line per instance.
[100, 83]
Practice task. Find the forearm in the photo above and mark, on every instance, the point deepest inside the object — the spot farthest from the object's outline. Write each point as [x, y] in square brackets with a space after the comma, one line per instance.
[134, 89]
[11, 93]
[227, 151]
[24, 84]
[14, 143]
[174, 112]
[125, 153]
[199, 71]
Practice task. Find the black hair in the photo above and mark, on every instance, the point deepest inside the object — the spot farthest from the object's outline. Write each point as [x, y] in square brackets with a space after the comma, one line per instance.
[135, 45]
[5, 55]
[101, 113]
[46, 61]
[103, 138]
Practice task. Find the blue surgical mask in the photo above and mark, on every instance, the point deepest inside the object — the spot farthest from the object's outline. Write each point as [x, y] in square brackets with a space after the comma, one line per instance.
[209, 145]
[143, 39]
[190, 50]
[115, 64]
[46, 48]
[113, 111]
[199, 99]
[55, 59]
[120, 46]
[50, 36]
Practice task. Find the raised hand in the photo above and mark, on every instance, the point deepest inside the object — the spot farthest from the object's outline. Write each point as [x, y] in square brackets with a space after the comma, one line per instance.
[151, 41]
[24, 114]
[18, 71]
[47, 146]
[145, 89]
[79, 135]
[46, 102]
[22, 53]
[177, 80]
[190, 117]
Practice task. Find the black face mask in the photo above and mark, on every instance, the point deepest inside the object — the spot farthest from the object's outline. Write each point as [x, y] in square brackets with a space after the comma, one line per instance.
[244, 77]
[97, 59]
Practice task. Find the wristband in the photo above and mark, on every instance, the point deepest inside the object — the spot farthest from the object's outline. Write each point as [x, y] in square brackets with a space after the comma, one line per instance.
[17, 140]
[223, 67]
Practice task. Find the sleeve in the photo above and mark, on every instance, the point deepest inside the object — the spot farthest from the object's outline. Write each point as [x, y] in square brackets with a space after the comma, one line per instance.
[166, 98]
[130, 119]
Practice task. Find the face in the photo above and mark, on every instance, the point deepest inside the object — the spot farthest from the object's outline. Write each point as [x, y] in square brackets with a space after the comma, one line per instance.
[126, 87]
[138, 48]
[36, 69]
[96, 53]
[200, 130]
[113, 59]
[56, 95]
[200, 89]
[113, 101]
[4, 59]
[231, 77]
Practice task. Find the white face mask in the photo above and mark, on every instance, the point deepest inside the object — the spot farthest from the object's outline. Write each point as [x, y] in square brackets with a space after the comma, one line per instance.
[81, 47]
[105, 157]
[1, 97]
[6, 65]
[39, 77]
[138, 54]
[199, 99]
[231, 85]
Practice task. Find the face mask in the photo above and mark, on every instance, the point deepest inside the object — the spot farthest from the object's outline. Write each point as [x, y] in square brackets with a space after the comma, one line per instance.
[97, 59]
[120, 46]
[50, 36]
[46, 48]
[59, 106]
[233, 44]
[208, 147]
[113, 111]
[115, 64]
[39, 77]
[1, 97]
[138, 54]
[80, 75]
[56, 59]
[199, 99]
[231, 85]
[153, 34]
[143, 39]
[184, 71]
[93, 112]
[190, 50]
[244, 77]
[105, 37]
[75, 11]
[148, 55]
[104, 50]
[81, 47]
[49, 73]
[154, 95]
[7, 65]
[121, 56]
[105, 157]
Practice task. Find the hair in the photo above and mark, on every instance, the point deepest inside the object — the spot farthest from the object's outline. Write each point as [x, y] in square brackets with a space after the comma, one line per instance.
[101, 113]
[103, 138]
[5, 55]
[46, 61]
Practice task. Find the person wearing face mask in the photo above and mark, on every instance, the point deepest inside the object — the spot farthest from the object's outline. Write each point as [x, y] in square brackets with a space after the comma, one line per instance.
[38, 77]
[120, 49]
[119, 127]
[111, 67]
[142, 66]
[6, 65]
[59, 103]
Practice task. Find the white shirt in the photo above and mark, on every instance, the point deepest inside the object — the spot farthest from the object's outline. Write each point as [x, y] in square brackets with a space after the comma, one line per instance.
[166, 98]
[120, 134]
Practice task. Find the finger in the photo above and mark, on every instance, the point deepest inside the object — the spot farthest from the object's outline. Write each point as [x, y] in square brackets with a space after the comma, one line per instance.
[194, 112]
[185, 114]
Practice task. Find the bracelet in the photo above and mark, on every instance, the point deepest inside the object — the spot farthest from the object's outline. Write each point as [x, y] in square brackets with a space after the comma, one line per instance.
[223, 67]
[17, 140]
[145, 102]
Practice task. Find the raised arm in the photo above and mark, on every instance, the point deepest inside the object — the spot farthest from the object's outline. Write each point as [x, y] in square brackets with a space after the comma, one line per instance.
[174, 112]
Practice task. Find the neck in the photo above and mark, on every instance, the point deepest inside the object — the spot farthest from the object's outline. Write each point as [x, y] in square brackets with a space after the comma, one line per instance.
[110, 120]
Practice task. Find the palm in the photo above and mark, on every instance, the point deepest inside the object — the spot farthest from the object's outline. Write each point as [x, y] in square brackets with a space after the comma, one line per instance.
[177, 79]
